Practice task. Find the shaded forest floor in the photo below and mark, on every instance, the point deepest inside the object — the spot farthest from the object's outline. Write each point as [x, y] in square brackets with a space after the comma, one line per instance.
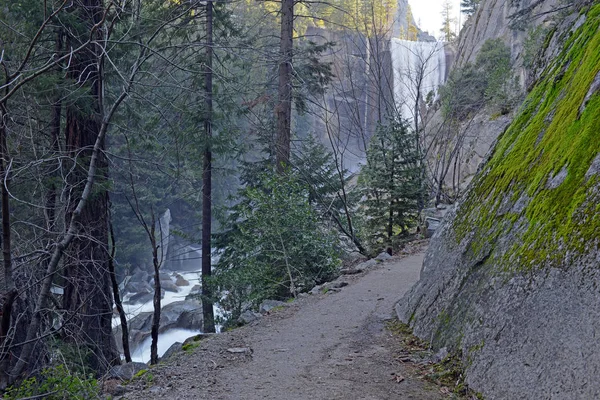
[334, 345]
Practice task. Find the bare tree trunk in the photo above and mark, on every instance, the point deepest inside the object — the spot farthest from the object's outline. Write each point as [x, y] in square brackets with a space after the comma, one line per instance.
[390, 227]
[55, 129]
[207, 296]
[7, 286]
[288, 267]
[284, 105]
[116, 294]
[157, 291]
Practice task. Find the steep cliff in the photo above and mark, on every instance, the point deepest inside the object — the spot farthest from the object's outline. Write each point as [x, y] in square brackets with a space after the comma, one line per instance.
[493, 20]
[512, 278]
[466, 143]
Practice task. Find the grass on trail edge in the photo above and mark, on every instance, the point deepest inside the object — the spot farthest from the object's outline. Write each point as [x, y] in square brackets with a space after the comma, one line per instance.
[448, 374]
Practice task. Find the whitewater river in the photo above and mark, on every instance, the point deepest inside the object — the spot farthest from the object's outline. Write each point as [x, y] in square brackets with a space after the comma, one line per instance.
[167, 338]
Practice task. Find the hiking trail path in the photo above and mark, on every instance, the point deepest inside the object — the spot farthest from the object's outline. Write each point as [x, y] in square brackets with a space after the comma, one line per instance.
[331, 345]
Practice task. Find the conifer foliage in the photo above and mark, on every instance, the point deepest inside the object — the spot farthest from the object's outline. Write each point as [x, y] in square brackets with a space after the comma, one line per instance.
[274, 247]
[392, 184]
[469, 7]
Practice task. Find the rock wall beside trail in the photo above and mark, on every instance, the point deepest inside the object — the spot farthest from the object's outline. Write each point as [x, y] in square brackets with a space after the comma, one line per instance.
[512, 278]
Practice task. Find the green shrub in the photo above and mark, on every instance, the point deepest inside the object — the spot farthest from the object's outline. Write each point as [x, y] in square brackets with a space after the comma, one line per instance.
[464, 93]
[189, 347]
[489, 82]
[55, 383]
[533, 45]
[274, 247]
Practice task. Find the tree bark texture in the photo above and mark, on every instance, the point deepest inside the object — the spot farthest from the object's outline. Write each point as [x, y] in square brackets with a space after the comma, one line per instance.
[284, 104]
[207, 305]
[87, 296]
[6, 283]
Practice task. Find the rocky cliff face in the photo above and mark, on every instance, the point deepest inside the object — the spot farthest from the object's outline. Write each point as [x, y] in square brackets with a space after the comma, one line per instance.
[512, 278]
[494, 19]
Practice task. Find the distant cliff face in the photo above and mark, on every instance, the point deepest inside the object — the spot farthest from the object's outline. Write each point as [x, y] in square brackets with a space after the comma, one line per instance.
[512, 279]
[404, 20]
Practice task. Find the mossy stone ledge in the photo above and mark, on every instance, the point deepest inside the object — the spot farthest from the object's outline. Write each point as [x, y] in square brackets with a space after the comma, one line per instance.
[512, 278]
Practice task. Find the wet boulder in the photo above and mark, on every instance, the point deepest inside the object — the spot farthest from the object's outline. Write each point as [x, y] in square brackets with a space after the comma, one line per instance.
[138, 287]
[169, 286]
[185, 314]
[181, 281]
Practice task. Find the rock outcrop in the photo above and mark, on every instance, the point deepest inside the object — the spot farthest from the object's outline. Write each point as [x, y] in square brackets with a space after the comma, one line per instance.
[512, 277]
[493, 20]
[473, 138]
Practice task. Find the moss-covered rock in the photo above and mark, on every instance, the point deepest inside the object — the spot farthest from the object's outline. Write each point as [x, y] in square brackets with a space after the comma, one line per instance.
[513, 277]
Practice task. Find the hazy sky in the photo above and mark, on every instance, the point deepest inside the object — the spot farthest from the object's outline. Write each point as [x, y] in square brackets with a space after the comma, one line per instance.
[428, 15]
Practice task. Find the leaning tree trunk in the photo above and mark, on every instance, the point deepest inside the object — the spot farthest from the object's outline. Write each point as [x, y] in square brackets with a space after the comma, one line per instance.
[116, 292]
[87, 296]
[157, 289]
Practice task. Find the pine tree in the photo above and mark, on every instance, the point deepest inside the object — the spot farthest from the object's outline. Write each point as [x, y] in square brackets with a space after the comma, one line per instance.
[391, 180]
[469, 7]
[283, 110]
[447, 32]
[273, 246]
[330, 188]
[207, 305]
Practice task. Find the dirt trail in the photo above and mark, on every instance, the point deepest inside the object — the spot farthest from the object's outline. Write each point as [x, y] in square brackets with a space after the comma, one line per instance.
[329, 346]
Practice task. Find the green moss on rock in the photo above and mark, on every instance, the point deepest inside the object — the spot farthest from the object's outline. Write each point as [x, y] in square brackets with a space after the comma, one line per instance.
[548, 138]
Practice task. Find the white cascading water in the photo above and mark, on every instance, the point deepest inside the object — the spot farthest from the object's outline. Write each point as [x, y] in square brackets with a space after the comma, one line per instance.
[414, 62]
[142, 352]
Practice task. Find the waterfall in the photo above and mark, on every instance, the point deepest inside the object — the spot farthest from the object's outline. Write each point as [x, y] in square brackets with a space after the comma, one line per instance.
[163, 226]
[419, 68]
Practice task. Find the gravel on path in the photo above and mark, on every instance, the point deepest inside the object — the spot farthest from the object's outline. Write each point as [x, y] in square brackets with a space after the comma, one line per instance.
[327, 346]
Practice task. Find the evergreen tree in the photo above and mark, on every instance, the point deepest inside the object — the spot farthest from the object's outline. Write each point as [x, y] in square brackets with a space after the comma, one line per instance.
[447, 31]
[469, 7]
[207, 305]
[330, 188]
[274, 246]
[392, 184]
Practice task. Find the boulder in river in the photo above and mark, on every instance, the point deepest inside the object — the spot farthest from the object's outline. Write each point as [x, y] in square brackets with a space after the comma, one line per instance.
[138, 287]
[185, 314]
[194, 293]
[169, 286]
[181, 281]
[141, 298]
